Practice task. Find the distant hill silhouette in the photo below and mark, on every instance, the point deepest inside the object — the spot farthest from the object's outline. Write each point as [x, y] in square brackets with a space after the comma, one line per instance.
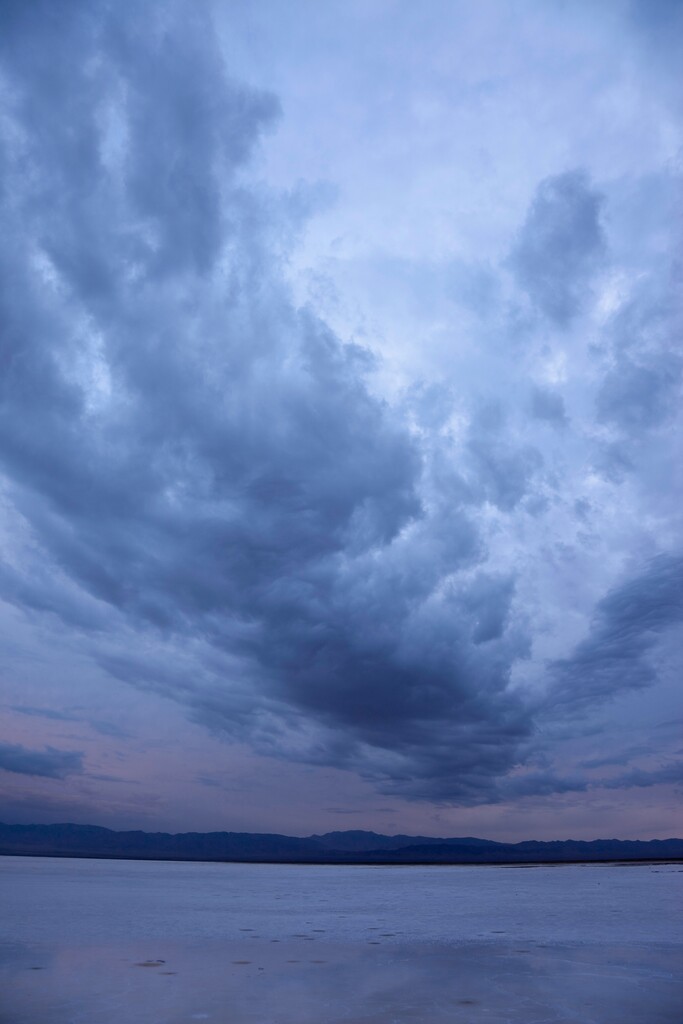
[366, 842]
[352, 847]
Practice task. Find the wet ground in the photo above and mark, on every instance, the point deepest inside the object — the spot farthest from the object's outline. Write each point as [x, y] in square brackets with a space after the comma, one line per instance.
[100, 942]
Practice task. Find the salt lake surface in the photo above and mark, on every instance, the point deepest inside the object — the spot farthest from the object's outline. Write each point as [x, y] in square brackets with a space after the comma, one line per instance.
[98, 942]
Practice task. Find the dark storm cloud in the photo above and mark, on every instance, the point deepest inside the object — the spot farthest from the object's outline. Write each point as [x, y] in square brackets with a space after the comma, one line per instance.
[560, 245]
[203, 461]
[48, 763]
[627, 623]
[206, 490]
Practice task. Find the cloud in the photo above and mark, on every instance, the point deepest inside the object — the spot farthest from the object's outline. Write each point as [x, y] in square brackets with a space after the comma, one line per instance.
[502, 471]
[638, 396]
[48, 763]
[59, 716]
[542, 783]
[209, 493]
[102, 727]
[560, 245]
[659, 25]
[625, 628]
[548, 783]
[227, 511]
[109, 729]
[360, 810]
[548, 405]
[621, 757]
[614, 461]
[667, 774]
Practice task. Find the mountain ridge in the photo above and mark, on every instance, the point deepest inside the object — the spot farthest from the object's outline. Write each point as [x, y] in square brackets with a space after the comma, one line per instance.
[352, 847]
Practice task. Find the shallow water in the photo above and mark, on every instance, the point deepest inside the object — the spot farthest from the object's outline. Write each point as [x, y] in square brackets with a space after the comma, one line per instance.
[98, 942]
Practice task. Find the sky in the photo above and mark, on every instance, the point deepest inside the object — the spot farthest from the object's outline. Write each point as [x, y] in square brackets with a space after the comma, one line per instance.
[340, 416]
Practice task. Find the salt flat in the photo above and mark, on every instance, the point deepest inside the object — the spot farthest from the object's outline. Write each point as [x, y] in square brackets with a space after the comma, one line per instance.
[162, 943]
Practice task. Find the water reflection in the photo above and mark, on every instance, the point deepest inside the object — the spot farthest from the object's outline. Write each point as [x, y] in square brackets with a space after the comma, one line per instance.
[94, 943]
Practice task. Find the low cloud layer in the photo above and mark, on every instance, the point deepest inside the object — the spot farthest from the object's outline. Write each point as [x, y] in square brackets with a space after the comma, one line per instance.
[208, 488]
[47, 764]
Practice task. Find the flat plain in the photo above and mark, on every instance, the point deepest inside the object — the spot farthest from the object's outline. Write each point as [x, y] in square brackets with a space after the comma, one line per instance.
[100, 941]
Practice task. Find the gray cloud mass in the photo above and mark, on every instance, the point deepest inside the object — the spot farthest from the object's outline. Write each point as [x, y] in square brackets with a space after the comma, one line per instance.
[560, 245]
[547, 405]
[627, 622]
[214, 495]
[48, 764]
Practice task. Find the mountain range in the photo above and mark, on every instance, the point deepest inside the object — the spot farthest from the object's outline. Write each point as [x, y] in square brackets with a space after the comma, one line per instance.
[351, 847]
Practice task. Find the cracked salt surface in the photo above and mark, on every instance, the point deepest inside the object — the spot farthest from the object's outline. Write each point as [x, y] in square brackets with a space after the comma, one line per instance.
[289, 944]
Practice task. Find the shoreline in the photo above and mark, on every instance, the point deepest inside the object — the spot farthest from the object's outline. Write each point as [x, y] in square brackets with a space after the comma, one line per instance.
[303, 862]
